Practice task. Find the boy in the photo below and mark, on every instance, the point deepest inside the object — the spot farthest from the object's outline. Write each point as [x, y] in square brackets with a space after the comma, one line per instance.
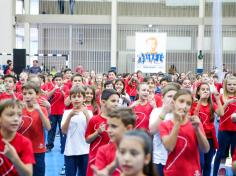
[10, 85]
[119, 122]
[96, 134]
[74, 123]
[16, 150]
[34, 120]
[56, 94]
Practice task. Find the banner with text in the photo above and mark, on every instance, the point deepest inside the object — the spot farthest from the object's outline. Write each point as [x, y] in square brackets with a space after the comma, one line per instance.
[150, 52]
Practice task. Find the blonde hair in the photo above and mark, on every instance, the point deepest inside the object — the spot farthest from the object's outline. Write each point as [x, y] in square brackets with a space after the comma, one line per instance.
[226, 93]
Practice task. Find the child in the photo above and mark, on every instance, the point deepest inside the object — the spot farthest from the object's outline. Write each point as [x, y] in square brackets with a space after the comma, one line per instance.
[16, 150]
[204, 108]
[90, 100]
[182, 137]
[131, 87]
[124, 99]
[142, 107]
[9, 82]
[56, 95]
[74, 123]
[227, 128]
[135, 154]
[120, 120]
[156, 117]
[35, 119]
[96, 134]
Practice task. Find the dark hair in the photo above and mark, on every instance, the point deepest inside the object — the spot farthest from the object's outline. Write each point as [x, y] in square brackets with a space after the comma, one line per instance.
[146, 79]
[77, 90]
[31, 85]
[57, 75]
[107, 83]
[93, 103]
[122, 81]
[112, 71]
[65, 70]
[42, 77]
[9, 61]
[9, 103]
[76, 75]
[125, 114]
[209, 100]
[147, 147]
[165, 79]
[10, 76]
[107, 93]
[182, 92]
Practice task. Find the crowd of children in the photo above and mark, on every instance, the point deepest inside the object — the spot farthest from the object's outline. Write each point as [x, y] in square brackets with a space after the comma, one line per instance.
[119, 125]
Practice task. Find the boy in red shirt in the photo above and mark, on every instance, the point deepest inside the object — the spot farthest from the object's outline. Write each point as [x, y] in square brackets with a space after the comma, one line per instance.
[16, 150]
[34, 120]
[96, 134]
[119, 122]
[142, 107]
[56, 95]
[10, 86]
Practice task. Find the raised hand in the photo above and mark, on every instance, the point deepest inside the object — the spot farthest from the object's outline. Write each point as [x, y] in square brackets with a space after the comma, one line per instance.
[9, 150]
[195, 121]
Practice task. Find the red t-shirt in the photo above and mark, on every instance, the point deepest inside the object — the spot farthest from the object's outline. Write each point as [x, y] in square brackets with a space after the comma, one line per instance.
[132, 90]
[24, 150]
[205, 117]
[32, 128]
[105, 156]
[143, 114]
[18, 86]
[6, 95]
[101, 140]
[226, 123]
[158, 100]
[57, 101]
[185, 156]
[67, 94]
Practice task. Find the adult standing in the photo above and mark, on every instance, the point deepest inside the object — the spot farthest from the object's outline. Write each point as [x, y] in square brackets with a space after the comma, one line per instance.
[35, 69]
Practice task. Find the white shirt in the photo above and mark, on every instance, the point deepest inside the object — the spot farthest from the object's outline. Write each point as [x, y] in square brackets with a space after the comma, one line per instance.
[160, 154]
[75, 140]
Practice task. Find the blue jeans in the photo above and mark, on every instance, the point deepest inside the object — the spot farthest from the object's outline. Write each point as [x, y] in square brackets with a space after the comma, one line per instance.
[55, 119]
[160, 169]
[208, 159]
[76, 164]
[224, 138]
[39, 166]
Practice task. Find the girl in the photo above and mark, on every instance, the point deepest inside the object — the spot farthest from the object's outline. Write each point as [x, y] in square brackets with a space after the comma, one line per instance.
[205, 109]
[156, 117]
[90, 100]
[16, 150]
[124, 99]
[227, 128]
[131, 88]
[142, 107]
[182, 137]
[135, 154]
[74, 123]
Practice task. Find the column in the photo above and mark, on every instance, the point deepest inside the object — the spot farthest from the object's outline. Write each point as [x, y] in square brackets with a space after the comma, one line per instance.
[200, 46]
[217, 37]
[27, 33]
[114, 34]
[7, 29]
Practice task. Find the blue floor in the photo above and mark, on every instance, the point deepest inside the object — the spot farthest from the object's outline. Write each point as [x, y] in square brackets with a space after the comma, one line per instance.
[54, 160]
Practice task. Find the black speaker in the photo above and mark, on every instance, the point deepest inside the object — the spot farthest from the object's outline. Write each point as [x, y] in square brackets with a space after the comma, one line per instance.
[19, 60]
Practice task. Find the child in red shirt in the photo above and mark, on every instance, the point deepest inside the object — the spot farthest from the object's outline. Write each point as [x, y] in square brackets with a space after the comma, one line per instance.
[131, 87]
[34, 119]
[10, 86]
[96, 134]
[56, 96]
[16, 150]
[142, 107]
[227, 127]
[120, 120]
[182, 137]
[204, 108]
[90, 100]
